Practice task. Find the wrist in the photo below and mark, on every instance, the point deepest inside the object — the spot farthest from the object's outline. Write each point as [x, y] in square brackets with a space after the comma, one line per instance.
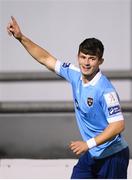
[21, 38]
[91, 143]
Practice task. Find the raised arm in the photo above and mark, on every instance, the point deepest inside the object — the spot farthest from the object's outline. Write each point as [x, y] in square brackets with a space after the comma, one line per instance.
[38, 53]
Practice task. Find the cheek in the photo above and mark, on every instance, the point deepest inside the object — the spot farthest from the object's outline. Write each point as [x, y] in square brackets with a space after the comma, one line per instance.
[80, 61]
[95, 64]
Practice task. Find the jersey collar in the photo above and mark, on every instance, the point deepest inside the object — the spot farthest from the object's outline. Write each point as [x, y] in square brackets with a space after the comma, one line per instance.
[94, 80]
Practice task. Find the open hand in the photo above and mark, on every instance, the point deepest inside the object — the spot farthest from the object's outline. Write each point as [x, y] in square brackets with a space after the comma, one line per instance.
[78, 147]
[14, 29]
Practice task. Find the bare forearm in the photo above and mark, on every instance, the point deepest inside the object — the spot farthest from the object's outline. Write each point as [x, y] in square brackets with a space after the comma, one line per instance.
[110, 132]
[38, 53]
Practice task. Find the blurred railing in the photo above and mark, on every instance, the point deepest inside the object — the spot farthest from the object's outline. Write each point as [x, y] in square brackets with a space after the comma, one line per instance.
[48, 106]
[47, 76]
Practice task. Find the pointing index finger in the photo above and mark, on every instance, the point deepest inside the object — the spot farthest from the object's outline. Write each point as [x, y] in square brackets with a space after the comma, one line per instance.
[13, 19]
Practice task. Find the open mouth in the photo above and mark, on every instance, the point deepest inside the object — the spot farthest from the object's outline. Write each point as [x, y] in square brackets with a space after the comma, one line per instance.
[86, 67]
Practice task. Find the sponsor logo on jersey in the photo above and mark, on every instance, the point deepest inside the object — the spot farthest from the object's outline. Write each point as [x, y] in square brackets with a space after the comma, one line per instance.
[66, 65]
[114, 110]
[90, 101]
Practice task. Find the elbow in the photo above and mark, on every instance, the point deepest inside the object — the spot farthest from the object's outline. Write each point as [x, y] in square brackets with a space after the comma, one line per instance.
[122, 129]
[121, 126]
[117, 127]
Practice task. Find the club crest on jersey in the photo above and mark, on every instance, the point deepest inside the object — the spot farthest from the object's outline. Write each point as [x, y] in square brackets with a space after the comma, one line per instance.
[90, 101]
[66, 65]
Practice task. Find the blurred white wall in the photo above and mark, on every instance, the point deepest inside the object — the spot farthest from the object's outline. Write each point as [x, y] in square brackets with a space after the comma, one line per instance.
[60, 26]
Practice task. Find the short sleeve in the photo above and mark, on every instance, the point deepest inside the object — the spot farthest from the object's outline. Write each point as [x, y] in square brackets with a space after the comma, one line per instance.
[66, 70]
[111, 106]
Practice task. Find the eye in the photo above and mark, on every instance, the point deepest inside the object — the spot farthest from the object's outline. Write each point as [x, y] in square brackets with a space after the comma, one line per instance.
[93, 58]
[83, 57]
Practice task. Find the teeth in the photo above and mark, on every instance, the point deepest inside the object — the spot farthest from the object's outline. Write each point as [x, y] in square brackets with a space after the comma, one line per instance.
[87, 67]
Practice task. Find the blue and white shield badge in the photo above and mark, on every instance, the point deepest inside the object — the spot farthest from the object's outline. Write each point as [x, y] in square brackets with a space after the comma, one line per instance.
[90, 101]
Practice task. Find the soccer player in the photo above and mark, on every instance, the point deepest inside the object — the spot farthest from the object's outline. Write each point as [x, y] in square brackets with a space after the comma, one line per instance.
[104, 153]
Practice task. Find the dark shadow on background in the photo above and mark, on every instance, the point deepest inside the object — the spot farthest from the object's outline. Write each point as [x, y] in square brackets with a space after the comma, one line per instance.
[43, 136]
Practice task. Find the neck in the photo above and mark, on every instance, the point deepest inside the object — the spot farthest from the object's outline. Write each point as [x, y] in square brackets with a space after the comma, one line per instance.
[88, 78]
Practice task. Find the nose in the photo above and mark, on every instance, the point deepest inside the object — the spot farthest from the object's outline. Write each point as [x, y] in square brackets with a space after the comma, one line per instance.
[87, 62]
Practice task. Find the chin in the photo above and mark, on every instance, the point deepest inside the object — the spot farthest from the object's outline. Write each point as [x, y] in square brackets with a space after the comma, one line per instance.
[86, 74]
[86, 71]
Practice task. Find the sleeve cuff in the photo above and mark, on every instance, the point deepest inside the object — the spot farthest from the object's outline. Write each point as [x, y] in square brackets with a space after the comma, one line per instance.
[57, 67]
[116, 118]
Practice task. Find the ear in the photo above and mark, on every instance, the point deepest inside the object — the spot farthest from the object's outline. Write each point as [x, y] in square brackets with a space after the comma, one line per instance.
[101, 60]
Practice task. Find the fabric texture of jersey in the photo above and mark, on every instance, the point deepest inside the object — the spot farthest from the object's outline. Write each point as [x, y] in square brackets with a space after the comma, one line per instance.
[96, 105]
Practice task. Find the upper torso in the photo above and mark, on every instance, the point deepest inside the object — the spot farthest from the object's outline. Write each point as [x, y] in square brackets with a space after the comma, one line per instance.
[96, 105]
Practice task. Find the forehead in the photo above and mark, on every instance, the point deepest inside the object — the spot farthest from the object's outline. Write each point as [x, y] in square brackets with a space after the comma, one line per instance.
[87, 55]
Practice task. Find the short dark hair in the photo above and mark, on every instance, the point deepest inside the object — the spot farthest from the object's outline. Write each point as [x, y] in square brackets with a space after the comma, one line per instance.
[92, 46]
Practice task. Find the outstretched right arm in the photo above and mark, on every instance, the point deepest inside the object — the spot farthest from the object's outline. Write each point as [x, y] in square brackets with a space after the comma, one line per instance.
[38, 53]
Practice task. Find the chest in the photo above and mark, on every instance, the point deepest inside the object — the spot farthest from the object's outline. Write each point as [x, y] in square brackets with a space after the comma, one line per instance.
[86, 98]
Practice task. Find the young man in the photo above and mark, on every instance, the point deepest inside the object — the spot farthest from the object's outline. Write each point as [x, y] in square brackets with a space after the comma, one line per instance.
[104, 152]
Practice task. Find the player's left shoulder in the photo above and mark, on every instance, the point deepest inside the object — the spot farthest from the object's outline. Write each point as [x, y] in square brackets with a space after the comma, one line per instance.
[111, 98]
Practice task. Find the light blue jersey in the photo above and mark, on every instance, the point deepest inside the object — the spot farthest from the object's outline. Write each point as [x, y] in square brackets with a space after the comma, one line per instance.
[96, 105]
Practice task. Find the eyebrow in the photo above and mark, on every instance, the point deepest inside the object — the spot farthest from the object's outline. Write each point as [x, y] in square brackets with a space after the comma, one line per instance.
[93, 56]
[90, 56]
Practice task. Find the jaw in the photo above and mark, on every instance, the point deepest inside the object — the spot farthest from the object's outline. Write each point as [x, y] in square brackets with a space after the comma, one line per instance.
[88, 74]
